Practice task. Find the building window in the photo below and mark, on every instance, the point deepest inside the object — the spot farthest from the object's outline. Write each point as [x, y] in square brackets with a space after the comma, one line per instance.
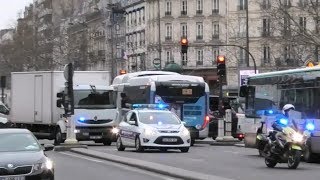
[200, 57]
[266, 27]
[215, 9]
[242, 56]
[135, 18]
[303, 24]
[143, 38]
[199, 7]
[128, 22]
[184, 7]
[184, 30]
[242, 5]
[139, 39]
[199, 31]
[184, 58]
[139, 17]
[215, 54]
[216, 30]
[131, 18]
[286, 3]
[169, 56]
[302, 3]
[286, 26]
[265, 4]
[317, 24]
[168, 31]
[168, 8]
[266, 54]
[143, 15]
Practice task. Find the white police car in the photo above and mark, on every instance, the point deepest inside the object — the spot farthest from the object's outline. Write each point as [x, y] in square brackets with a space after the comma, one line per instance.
[152, 126]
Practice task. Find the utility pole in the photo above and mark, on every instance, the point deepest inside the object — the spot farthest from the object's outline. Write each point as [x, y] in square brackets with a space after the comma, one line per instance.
[247, 31]
[159, 35]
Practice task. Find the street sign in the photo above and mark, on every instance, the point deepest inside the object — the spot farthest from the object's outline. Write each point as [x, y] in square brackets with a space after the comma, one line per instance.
[244, 74]
[66, 71]
[156, 62]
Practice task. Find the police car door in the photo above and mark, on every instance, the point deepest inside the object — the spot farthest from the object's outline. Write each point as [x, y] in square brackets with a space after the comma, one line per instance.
[133, 122]
[125, 129]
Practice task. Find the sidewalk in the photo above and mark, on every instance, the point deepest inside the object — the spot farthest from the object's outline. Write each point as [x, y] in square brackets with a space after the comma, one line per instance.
[149, 166]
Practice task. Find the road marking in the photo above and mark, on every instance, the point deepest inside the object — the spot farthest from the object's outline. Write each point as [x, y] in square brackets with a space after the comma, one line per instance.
[133, 169]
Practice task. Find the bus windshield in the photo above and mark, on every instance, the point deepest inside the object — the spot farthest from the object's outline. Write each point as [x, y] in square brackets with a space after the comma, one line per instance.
[182, 92]
[88, 99]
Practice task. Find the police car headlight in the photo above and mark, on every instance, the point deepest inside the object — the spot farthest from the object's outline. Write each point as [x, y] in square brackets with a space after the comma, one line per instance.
[297, 137]
[149, 132]
[185, 132]
[115, 130]
[47, 165]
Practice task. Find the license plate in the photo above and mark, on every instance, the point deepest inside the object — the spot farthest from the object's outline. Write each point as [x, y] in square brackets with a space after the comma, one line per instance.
[186, 91]
[95, 137]
[169, 140]
[13, 178]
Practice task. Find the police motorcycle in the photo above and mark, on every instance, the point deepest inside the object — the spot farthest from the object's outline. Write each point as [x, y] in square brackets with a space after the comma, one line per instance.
[285, 144]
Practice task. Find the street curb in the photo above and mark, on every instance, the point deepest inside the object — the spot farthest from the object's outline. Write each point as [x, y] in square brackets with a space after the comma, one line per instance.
[148, 166]
[215, 143]
[68, 147]
[239, 145]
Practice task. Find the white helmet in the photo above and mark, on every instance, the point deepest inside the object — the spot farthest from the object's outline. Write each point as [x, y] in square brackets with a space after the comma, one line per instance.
[287, 107]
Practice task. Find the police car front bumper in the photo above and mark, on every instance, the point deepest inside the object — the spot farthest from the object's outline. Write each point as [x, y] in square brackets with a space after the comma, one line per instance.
[171, 141]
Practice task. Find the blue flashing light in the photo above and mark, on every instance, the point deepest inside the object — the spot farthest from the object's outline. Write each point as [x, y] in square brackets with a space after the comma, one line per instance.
[270, 111]
[284, 121]
[150, 106]
[310, 127]
[82, 119]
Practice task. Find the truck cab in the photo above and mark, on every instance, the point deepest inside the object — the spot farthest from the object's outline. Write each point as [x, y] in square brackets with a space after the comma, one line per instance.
[94, 114]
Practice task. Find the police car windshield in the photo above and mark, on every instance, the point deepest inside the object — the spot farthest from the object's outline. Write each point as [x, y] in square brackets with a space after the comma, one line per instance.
[158, 118]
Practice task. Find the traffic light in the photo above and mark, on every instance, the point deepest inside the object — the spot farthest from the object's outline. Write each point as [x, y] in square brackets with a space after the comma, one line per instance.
[221, 65]
[184, 45]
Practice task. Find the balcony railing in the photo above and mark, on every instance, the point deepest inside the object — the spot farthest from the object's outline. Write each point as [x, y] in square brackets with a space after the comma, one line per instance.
[199, 12]
[215, 11]
[199, 37]
[265, 34]
[199, 63]
[168, 38]
[168, 13]
[183, 13]
[215, 36]
[184, 63]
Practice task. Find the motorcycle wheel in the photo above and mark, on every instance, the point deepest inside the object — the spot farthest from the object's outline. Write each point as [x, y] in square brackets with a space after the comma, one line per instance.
[270, 163]
[294, 159]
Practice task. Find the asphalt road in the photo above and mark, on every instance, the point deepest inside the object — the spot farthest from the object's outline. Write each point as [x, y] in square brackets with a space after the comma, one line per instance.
[225, 161]
[69, 166]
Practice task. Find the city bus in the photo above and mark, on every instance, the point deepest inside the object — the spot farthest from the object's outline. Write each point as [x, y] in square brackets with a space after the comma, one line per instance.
[271, 91]
[187, 96]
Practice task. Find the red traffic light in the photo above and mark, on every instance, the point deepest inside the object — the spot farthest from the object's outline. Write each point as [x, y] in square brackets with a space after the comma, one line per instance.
[122, 71]
[184, 41]
[221, 59]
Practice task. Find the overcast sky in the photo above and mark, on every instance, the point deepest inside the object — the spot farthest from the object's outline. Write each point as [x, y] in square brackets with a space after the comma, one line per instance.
[9, 10]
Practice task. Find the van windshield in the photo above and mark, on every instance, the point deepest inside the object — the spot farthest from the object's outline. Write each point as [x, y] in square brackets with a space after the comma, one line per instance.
[89, 99]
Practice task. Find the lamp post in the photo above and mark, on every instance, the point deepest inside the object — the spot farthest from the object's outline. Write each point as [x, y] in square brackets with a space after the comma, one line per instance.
[247, 31]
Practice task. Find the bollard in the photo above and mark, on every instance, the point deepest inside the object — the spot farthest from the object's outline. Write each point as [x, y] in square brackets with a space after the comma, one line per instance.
[225, 128]
[71, 135]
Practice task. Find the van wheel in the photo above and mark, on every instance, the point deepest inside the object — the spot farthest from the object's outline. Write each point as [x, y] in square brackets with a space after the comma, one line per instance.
[58, 137]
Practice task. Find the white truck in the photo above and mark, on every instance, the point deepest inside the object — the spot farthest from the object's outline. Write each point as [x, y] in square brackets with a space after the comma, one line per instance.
[35, 105]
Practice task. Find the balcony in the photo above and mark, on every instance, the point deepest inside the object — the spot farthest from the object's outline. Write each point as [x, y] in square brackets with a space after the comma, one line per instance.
[215, 36]
[199, 12]
[168, 38]
[215, 11]
[199, 63]
[184, 13]
[199, 37]
[265, 34]
[184, 63]
[168, 13]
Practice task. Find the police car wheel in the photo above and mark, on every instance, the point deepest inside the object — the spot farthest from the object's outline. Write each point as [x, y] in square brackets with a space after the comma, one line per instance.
[192, 142]
[106, 142]
[184, 150]
[138, 146]
[120, 146]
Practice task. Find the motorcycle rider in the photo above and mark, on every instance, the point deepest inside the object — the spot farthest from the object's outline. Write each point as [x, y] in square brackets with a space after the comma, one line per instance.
[282, 120]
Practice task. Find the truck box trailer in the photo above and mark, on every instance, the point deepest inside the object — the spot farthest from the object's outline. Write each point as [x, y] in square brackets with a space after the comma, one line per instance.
[34, 102]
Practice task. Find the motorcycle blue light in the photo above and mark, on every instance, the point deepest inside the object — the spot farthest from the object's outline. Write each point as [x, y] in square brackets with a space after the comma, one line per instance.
[82, 119]
[310, 127]
[284, 121]
[270, 111]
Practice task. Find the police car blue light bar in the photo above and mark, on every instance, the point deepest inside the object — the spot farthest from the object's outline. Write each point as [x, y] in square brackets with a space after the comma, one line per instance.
[150, 106]
[82, 118]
